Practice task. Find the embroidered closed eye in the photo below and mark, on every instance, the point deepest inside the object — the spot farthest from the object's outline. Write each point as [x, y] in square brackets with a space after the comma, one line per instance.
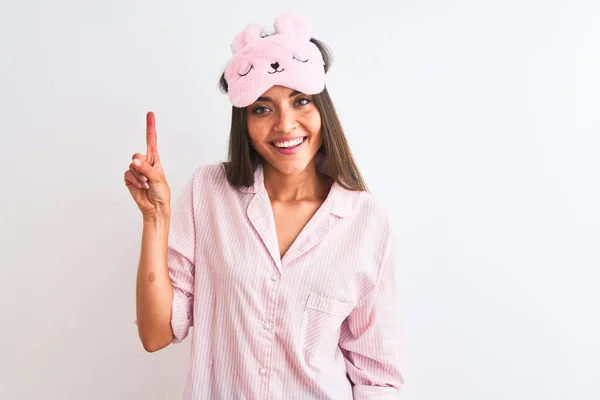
[296, 58]
[250, 69]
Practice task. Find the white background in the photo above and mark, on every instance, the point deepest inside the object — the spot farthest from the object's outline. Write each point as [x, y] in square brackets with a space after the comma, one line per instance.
[475, 123]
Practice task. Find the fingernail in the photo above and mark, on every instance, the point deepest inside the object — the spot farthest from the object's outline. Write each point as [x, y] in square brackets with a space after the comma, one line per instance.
[143, 178]
[146, 185]
[137, 162]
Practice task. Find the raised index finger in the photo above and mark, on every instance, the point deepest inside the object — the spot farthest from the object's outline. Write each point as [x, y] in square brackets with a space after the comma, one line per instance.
[151, 147]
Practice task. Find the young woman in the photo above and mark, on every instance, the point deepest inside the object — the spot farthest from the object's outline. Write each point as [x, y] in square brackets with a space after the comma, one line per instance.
[279, 258]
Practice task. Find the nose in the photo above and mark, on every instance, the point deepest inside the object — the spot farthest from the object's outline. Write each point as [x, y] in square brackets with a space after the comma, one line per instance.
[275, 65]
[286, 121]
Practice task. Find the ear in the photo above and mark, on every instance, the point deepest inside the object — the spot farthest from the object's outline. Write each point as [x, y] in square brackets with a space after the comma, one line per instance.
[250, 34]
[294, 25]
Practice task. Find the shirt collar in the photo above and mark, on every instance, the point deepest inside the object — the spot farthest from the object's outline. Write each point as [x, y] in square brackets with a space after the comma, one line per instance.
[338, 199]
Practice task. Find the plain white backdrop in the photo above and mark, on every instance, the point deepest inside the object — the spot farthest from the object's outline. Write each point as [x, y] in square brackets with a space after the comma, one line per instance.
[475, 123]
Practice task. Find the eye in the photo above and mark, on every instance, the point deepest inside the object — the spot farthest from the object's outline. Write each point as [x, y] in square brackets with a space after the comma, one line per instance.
[260, 110]
[302, 101]
[251, 67]
[296, 58]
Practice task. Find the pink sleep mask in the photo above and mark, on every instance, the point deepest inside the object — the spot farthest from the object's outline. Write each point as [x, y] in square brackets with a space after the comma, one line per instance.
[287, 58]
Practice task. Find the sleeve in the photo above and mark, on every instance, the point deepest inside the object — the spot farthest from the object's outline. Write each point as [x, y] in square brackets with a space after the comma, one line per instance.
[369, 338]
[180, 260]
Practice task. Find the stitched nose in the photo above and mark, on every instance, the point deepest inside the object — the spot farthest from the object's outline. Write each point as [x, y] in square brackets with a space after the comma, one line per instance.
[275, 65]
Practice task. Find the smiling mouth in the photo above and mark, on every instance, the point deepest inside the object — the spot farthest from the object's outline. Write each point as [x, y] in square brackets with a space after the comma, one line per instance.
[276, 71]
[289, 147]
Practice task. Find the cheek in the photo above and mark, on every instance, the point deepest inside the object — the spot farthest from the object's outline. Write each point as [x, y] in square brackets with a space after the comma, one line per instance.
[257, 128]
[312, 122]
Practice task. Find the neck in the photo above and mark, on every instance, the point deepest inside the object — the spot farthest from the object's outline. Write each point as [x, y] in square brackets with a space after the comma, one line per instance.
[307, 185]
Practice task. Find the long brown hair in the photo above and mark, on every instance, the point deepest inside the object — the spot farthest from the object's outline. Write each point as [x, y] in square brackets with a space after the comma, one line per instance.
[342, 168]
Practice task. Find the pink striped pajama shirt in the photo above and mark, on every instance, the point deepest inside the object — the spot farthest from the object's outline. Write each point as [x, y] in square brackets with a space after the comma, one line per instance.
[319, 323]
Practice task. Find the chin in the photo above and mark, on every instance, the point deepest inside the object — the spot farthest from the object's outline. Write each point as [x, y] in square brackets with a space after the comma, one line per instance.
[290, 167]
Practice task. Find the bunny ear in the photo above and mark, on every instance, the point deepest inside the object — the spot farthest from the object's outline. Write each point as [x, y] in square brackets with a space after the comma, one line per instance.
[293, 24]
[250, 34]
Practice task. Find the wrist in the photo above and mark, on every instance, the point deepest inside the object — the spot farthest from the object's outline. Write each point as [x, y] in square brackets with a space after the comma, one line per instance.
[160, 213]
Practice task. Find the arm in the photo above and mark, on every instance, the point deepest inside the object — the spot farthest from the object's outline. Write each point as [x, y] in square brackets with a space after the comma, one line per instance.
[165, 282]
[154, 290]
[370, 337]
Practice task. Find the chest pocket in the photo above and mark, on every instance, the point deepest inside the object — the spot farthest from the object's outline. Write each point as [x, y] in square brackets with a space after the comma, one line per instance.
[321, 323]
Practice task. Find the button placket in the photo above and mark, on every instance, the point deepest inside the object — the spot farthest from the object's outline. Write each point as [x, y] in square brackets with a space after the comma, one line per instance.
[267, 324]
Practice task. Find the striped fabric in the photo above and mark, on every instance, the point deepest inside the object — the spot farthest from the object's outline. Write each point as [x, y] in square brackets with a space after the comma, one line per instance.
[319, 323]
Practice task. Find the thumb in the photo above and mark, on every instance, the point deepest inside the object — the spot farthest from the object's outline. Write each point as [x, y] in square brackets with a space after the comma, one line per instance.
[152, 173]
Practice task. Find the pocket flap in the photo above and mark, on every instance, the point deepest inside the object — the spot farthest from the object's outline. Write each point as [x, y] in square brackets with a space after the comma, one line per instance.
[328, 305]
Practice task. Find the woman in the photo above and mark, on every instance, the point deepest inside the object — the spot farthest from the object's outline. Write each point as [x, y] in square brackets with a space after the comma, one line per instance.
[279, 258]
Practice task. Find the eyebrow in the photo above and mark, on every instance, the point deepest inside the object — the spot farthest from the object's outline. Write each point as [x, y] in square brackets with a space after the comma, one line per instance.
[265, 98]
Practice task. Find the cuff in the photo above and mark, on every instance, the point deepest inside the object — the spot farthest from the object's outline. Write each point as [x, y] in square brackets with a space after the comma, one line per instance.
[360, 392]
[181, 315]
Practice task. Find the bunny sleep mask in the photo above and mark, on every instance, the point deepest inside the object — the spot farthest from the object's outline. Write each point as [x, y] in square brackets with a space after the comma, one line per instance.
[287, 58]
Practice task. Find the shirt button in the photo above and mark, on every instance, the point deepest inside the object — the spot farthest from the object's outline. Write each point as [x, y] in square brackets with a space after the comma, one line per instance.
[262, 371]
[266, 325]
[273, 277]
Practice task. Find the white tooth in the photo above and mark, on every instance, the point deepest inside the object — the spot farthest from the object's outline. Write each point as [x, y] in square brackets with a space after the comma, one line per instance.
[289, 143]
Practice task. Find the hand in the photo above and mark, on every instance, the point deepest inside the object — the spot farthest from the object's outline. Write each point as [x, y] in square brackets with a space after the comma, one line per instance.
[145, 178]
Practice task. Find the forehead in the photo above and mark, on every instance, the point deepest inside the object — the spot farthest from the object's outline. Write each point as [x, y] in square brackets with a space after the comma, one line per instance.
[278, 91]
